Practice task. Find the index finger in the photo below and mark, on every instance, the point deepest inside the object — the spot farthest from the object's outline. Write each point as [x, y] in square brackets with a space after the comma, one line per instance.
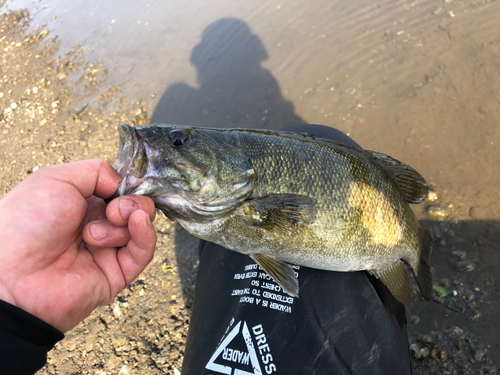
[120, 209]
[90, 177]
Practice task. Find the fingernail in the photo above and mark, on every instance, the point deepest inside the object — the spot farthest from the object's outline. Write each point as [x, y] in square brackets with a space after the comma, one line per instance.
[126, 207]
[99, 230]
[148, 221]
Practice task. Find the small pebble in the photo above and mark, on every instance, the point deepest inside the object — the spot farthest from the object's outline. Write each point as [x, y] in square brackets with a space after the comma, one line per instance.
[61, 76]
[415, 351]
[465, 266]
[424, 352]
[432, 196]
[468, 295]
[117, 312]
[414, 319]
[13, 105]
[437, 211]
[176, 371]
[427, 339]
[460, 254]
[477, 352]
[490, 369]
[473, 314]
[434, 354]
[89, 345]
[444, 282]
[142, 345]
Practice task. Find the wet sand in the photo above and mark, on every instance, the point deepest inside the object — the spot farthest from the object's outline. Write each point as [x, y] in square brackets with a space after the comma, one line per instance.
[419, 81]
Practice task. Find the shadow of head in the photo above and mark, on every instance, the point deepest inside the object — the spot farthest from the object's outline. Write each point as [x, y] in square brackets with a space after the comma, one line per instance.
[228, 49]
[234, 91]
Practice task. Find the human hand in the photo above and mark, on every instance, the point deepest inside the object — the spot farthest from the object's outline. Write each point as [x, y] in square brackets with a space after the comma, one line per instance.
[63, 252]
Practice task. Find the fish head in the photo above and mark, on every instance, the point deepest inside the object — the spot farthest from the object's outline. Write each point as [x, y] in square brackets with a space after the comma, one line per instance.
[188, 172]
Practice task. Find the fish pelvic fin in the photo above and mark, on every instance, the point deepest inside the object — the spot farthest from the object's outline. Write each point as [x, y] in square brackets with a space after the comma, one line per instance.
[422, 271]
[410, 182]
[396, 279]
[281, 272]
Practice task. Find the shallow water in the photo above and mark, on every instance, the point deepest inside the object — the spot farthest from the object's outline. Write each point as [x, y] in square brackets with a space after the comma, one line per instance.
[417, 80]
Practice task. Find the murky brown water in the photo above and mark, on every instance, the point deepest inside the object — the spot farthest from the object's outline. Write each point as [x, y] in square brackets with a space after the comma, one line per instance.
[417, 80]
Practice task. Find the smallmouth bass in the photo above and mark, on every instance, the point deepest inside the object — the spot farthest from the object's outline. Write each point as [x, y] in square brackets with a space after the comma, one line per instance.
[283, 197]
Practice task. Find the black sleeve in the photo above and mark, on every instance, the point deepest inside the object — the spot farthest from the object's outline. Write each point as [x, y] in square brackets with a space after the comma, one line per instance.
[24, 341]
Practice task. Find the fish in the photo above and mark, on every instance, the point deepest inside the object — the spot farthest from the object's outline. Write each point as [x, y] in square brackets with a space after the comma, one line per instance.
[284, 198]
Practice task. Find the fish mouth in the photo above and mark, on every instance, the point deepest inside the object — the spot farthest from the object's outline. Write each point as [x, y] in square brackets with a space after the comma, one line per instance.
[137, 162]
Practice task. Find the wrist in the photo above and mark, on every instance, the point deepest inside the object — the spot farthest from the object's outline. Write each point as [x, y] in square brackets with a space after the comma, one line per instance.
[5, 295]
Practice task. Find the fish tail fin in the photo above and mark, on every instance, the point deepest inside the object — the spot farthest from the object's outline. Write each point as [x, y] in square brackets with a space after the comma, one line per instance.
[422, 270]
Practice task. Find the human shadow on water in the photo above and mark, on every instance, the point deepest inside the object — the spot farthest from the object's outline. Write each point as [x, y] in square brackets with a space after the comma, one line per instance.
[235, 91]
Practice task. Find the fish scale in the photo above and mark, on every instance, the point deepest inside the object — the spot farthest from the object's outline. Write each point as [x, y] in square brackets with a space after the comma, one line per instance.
[286, 175]
[284, 198]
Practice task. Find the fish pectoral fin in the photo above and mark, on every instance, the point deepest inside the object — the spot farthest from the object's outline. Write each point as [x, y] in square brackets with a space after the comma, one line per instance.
[281, 272]
[396, 279]
[410, 182]
[285, 212]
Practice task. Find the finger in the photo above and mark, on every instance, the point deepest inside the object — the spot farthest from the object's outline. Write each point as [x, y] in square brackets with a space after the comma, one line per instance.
[119, 210]
[106, 259]
[96, 209]
[101, 233]
[91, 177]
[139, 251]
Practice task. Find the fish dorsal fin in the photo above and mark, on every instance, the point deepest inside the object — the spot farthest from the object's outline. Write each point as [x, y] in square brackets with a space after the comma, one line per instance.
[282, 273]
[396, 279]
[410, 182]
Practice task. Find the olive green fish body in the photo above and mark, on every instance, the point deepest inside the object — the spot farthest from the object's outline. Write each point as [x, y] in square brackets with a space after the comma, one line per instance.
[285, 197]
[348, 192]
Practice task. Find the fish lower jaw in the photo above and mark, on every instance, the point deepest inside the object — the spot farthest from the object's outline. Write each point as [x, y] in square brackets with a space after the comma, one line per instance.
[132, 185]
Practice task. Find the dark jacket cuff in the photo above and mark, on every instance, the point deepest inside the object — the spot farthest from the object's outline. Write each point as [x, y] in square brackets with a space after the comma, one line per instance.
[25, 341]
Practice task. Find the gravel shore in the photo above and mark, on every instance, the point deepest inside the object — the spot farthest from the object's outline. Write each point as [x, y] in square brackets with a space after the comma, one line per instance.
[59, 108]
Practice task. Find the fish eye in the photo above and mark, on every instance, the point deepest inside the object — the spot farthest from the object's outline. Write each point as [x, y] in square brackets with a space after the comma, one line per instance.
[177, 138]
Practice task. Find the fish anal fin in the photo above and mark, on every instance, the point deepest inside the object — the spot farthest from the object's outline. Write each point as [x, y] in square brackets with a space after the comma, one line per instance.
[410, 182]
[396, 279]
[282, 273]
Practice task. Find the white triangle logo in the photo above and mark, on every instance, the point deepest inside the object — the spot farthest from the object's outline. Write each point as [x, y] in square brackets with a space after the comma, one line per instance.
[237, 357]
